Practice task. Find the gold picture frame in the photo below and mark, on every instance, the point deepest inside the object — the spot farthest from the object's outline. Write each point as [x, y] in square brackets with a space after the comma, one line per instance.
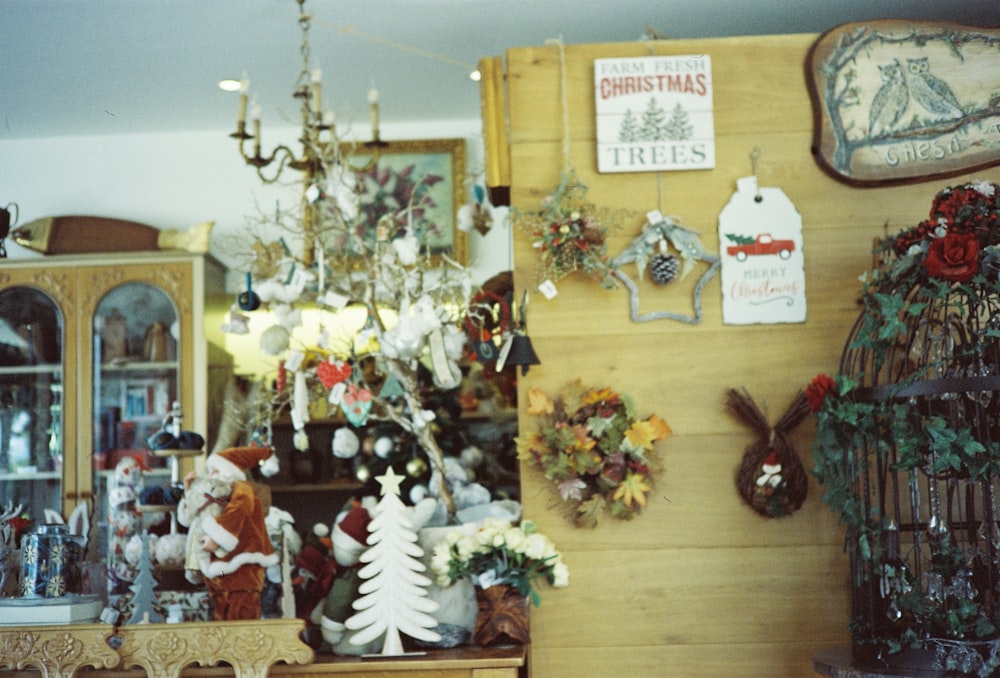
[426, 176]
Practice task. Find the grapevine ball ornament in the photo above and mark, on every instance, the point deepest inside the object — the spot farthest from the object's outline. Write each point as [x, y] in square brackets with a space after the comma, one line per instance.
[771, 478]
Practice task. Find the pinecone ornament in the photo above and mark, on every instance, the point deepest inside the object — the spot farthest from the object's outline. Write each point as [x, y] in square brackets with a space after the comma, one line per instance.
[663, 268]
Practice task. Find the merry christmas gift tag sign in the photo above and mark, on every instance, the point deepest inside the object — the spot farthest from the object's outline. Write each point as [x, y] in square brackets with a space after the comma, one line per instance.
[654, 113]
[763, 269]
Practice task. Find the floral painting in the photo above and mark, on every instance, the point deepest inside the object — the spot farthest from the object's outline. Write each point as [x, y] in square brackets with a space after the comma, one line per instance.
[422, 181]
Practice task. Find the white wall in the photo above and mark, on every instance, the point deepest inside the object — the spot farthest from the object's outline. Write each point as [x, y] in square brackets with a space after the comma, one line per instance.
[175, 180]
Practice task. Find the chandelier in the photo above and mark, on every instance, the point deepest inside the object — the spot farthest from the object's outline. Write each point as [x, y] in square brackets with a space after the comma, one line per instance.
[321, 147]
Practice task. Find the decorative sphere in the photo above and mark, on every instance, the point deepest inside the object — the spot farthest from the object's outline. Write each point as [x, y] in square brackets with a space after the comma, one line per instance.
[383, 447]
[170, 549]
[274, 340]
[418, 493]
[362, 473]
[416, 467]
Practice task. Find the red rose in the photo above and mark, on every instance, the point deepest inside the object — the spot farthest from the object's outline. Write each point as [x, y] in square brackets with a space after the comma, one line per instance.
[817, 389]
[953, 257]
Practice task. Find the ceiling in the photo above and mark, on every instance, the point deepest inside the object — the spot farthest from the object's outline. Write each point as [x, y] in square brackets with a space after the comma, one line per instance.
[80, 67]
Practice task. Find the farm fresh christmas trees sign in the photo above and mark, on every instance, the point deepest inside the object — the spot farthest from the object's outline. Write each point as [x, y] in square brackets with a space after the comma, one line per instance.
[654, 114]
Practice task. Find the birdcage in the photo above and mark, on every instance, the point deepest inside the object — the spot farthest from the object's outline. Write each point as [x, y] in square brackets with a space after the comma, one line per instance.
[909, 444]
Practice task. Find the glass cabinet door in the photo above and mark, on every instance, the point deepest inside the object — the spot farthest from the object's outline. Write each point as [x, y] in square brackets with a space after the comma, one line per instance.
[32, 335]
[136, 375]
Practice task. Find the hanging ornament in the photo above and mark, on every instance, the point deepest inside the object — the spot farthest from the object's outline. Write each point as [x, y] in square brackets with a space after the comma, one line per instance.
[569, 232]
[248, 300]
[771, 478]
[416, 467]
[356, 404]
[315, 193]
[478, 214]
[658, 231]
[332, 372]
[763, 265]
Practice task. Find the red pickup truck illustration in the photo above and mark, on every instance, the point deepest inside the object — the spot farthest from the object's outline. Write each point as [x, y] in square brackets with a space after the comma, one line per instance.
[762, 244]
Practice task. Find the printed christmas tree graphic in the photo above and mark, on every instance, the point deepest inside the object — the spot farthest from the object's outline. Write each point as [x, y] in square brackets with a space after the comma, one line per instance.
[394, 594]
[678, 128]
[653, 122]
[629, 130]
[655, 125]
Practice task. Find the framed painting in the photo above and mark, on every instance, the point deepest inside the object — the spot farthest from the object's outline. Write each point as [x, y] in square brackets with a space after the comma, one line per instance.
[423, 183]
[905, 101]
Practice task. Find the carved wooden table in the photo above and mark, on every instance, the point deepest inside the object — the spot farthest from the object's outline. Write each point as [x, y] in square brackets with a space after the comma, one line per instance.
[252, 649]
[161, 650]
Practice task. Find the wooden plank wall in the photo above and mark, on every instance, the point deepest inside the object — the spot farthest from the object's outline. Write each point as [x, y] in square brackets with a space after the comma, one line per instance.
[699, 585]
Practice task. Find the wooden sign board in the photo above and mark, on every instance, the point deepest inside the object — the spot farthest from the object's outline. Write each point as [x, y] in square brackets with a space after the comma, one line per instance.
[904, 101]
[654, 113]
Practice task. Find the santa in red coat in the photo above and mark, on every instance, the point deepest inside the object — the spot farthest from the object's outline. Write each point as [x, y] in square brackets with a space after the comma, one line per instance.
[237, 537]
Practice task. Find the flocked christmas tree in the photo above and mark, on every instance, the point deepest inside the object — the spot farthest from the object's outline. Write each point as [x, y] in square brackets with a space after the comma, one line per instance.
[394, 594]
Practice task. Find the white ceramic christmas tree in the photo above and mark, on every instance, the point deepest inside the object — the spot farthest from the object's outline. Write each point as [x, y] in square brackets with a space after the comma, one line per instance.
[394, 594]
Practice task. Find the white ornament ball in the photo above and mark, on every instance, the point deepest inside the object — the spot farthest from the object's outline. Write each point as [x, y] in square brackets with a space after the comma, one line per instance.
[471, 457]
[383, 447]
[418, 493]
[133, 548]
[170, 549]
[345, 443]
[274, 340]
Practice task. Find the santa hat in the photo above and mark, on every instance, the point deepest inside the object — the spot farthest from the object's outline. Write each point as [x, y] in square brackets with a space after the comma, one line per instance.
[350, 536]
[236, 461]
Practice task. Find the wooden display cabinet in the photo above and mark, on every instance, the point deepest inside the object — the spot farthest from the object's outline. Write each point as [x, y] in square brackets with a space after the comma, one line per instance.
[97, 348]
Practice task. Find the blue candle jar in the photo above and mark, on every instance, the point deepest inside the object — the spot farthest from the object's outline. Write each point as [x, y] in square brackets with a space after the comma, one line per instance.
[50, 562]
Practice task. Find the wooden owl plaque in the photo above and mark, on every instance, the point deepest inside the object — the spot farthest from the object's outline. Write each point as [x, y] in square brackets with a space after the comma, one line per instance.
[905, 101]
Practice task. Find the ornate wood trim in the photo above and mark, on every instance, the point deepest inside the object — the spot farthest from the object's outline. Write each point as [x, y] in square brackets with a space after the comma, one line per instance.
[57, 651]
[250, 647]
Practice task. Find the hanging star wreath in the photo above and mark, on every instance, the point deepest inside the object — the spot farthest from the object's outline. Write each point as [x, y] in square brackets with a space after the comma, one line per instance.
[570, 233]
[657, 232]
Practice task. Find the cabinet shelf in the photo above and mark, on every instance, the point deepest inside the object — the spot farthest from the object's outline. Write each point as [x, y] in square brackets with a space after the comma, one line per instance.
[335, 485]
[38, 475]
[43, 368]
[139, 366]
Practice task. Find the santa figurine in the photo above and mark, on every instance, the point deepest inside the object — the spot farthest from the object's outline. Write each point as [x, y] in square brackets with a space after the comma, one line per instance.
[236, 539]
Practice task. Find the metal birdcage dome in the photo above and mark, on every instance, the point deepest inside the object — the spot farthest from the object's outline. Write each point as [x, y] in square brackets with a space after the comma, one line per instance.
[908, 448]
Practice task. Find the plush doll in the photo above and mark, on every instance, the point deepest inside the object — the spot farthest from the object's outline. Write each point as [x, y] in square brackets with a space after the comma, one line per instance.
[350, 536]
[236, 540]
[313, 573]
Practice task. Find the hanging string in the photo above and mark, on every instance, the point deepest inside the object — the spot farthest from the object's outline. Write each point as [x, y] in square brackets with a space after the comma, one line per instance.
[350, 30]
[564, 100]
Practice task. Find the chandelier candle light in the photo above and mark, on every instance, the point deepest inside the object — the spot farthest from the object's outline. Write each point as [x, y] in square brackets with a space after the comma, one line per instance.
[320, 145]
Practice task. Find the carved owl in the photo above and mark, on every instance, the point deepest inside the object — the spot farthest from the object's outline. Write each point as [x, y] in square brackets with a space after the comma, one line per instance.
[889, 102]
[930, 91]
